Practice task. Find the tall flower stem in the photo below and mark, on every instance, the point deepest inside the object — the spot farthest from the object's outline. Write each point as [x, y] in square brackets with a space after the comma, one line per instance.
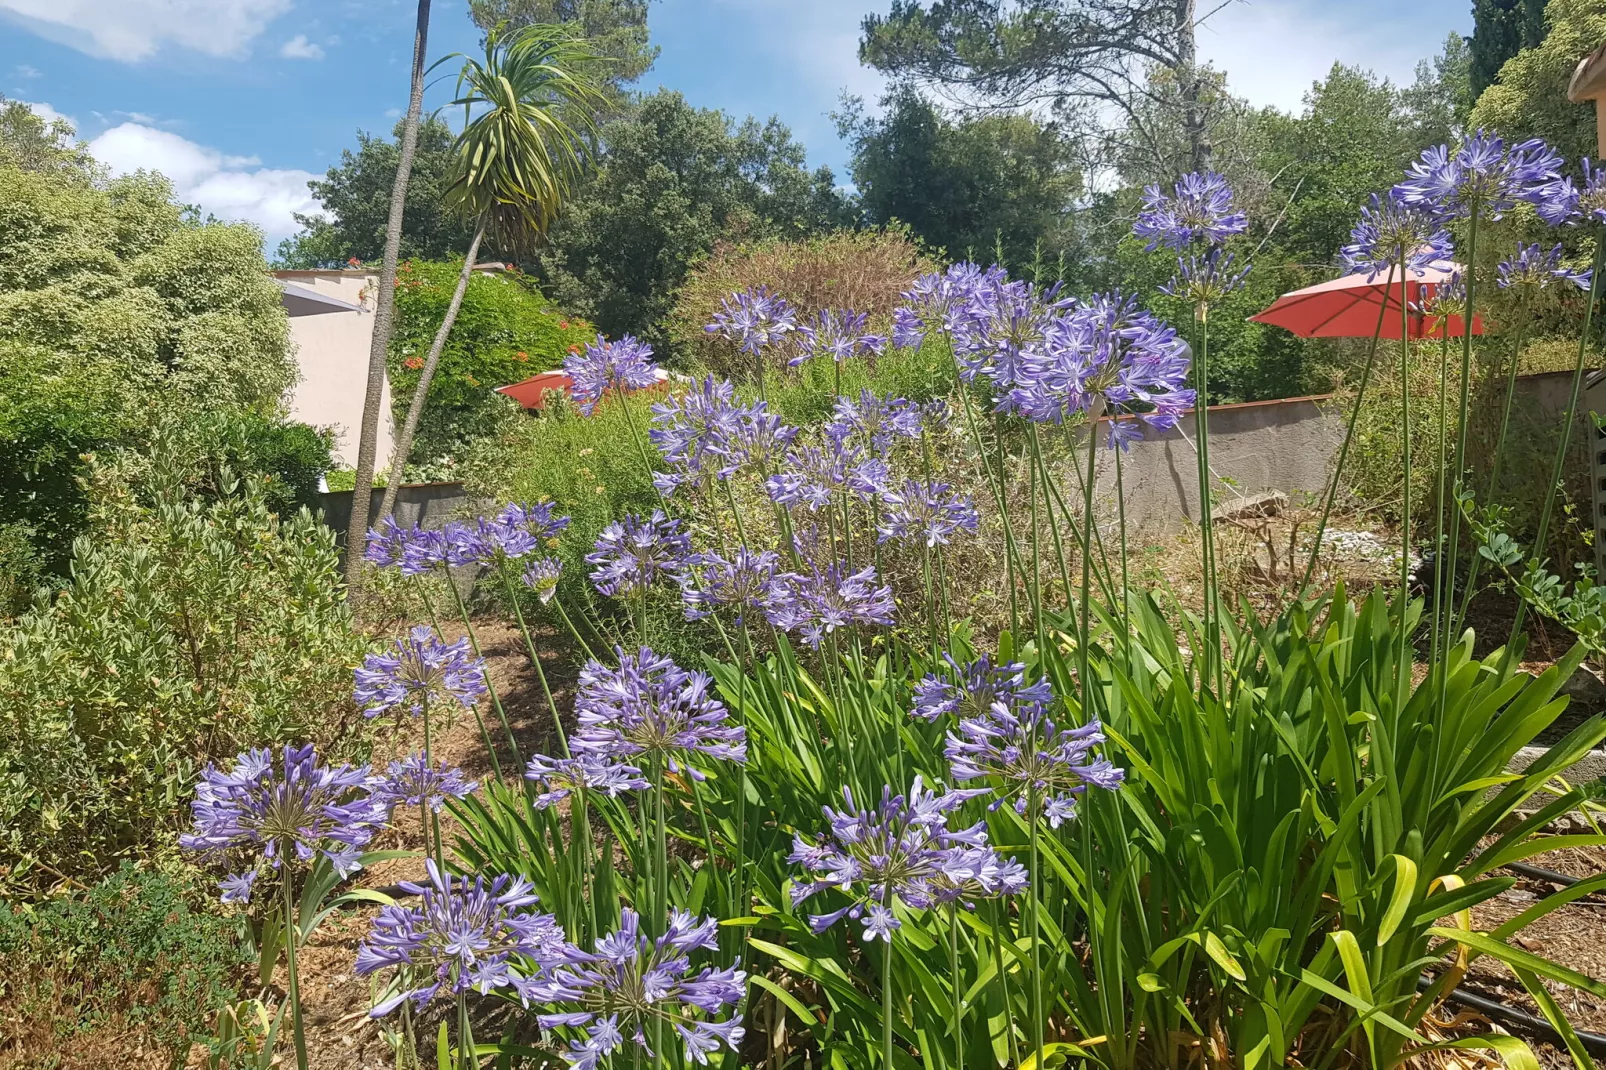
[641, 447]
[535, 659]
[1558, 467]
[1439, 490]
[1034, 929]
[429, 821]
[886, 993]
[496, 700]
[585, 647]
[1349, 437]
[1049, 491]
[958, 986]
[292, 935]
[1403, 682]
[465, 1035]
[1463, 405]
[1123, 608]
[1207, 534]
[1084, 640]
[1012, 560]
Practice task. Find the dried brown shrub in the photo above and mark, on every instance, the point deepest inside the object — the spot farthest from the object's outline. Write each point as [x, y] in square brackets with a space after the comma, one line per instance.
[863, 270]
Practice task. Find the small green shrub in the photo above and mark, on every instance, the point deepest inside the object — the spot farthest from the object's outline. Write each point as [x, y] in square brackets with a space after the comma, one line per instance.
[129, 959]
[192, 628]
[505, 331]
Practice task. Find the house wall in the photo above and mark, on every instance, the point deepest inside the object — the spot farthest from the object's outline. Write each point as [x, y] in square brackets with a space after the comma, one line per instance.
[332, 353]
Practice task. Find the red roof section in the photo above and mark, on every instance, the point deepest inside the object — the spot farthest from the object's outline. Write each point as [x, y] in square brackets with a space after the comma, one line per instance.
[528, 391]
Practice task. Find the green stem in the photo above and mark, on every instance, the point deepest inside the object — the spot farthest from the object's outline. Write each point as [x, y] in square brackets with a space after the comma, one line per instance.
[1349, 437]
[1464, 402]
[1403, 681]
[496, 700]
[957, 982]
[292, 935]
[1034, 930]
[1084, 640]
[999, 917]
[1201, 431]
[886, 994]
[1012, 560]
[1558, 467]
[535, 659]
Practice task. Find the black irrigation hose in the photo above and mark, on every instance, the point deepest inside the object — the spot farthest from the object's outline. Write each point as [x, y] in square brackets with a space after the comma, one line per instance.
[1594, 1043]
[1539, 874]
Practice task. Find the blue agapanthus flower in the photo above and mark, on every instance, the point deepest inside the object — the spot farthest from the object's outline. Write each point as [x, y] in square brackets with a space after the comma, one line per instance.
[688, 428]
[419, 670]
[632, 985]
[837, 334]
[1031, 758]
[757, 439]
[1198, 210]
[754, 319]
[928, 512]
[813, 475]
[893, 854]
[542, 576]
[276, 812]
[414, 781]
[414, 551]
[740, 583]
[969, 690]
[1204, 280]
[872, 422]
[1535, 269]
[942, 302]
[820, 603]
[622, 365]
[579, 776]
[1482, 174]
[463, 934]
[634, 552]
[1392, 229]
[650, 710]
[1562, 201]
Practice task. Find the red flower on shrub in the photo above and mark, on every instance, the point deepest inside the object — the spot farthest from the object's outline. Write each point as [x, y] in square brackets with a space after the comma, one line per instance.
[563, 324]
[354, 262]
[413, 362]
[523, 355]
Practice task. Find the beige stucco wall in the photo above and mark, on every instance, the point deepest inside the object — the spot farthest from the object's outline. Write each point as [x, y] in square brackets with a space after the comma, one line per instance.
[332, 352]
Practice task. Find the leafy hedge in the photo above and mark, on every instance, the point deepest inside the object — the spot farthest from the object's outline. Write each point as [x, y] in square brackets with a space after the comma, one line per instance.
[506, 331]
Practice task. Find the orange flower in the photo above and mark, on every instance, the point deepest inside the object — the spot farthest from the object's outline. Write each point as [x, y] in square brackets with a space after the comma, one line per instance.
[354, 262]
[563, 324]
[413, 362]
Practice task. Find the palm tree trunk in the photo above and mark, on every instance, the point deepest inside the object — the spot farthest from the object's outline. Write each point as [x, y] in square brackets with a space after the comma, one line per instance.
[384, 314]
[404, 441]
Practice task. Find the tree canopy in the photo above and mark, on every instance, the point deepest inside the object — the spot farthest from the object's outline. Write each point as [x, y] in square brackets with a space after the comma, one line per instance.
[1530, 99]
[614, 30]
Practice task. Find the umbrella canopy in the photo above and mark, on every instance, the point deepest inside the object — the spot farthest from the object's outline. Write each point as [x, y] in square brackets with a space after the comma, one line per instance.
[1348, 307]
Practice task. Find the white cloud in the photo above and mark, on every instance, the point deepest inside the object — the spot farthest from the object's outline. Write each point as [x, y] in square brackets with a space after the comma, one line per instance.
[132, 30]
[47, 113]
[1272, 50]
[229, 187]
[25, 71]
[298, 47]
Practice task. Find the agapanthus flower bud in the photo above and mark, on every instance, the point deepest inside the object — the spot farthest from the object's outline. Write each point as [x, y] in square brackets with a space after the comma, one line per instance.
[414, 781]
[463, 934]
[895, 852]
[274, 813]
[563, 777]
[419, 670]
[542, 576]
[651, 710]
[602, 366]
[1199, 209]
[631, 982]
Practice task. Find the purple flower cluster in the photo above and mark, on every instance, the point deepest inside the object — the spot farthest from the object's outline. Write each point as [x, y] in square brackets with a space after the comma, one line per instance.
[462, 935]
[818, 604]
[517, 531]
[1534, 268]
[563, 777]
[269, 812]
[741, 582]
[1482, 174]
[632, 982]
[631, 554]
[814, 475]
[1562, 201]
[1197, 211]
[704, 433]
[542, 576]
[941, 303]
[873, 422]
[754, 319]
[970, 690]
[602, 366]
[931, 513]
[1392, 229]
[838, 334]
[901, 852]
[420, 670]
[415, 782]
[651, 707]
[1037, 762]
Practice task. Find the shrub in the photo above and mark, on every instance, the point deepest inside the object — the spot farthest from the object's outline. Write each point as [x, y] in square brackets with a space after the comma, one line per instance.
[128, 960]
[192, 628]
[864, 270]
[505, 331]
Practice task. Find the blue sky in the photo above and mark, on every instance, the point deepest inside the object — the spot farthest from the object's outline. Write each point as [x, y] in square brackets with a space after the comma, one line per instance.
[241, 101]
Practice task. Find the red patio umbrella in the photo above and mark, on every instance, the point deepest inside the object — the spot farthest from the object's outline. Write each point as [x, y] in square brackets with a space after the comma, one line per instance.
[1348, 307]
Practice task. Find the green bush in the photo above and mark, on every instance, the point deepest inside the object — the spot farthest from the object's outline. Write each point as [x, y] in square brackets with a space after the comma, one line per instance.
[192, 628]
[129, 959]
[505, 331]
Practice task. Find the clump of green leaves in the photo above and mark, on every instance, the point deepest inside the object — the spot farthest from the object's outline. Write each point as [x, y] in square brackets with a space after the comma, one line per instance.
[129, 959]
[505, 331]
